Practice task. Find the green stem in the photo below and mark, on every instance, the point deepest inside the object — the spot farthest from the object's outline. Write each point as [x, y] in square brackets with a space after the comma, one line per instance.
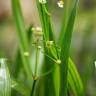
[33, 88]
[37, 59]
[36, 70]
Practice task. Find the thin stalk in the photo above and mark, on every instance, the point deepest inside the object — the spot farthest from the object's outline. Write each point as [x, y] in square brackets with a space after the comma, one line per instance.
[36, 70]
[33, 88]
[37, 60]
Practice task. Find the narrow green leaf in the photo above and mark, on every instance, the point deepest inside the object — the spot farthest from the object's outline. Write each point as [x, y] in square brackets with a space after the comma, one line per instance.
[65, 20]
[18, 62]
[22, 36]
[74, 79]
[65, 47]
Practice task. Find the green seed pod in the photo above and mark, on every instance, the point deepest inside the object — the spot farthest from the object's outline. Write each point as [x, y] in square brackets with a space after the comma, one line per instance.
[5, 81]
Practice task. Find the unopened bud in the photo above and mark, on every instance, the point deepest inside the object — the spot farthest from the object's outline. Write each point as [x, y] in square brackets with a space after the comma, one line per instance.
[58, 61]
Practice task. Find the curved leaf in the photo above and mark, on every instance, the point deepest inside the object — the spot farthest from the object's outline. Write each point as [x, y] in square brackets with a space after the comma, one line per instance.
[74, 79]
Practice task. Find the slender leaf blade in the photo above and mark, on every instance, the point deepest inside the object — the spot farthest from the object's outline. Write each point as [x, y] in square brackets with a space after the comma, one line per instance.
[65, 47]
[22, 36]
[74, 79]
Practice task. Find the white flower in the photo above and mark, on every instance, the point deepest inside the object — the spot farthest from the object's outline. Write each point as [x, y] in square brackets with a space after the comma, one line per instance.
[60, 3]
[38, 29]
[42, 1]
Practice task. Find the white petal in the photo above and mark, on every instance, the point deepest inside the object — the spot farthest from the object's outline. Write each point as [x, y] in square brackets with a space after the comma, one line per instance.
[39, 29]
[60, 4]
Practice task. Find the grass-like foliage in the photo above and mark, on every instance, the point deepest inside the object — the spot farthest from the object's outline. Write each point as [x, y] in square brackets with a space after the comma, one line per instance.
[51, 72]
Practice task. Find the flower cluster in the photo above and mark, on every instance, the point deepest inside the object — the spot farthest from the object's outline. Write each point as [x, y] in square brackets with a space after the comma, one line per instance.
[60, 3]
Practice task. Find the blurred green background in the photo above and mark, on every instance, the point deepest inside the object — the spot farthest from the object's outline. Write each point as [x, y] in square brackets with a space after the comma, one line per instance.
[83, 48]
